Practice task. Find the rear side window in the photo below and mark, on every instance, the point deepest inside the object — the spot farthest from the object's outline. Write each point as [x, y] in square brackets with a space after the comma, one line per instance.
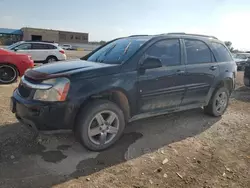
[197, 52]
[223, 53]
[168, 51]
[51, 46]
[39, 46]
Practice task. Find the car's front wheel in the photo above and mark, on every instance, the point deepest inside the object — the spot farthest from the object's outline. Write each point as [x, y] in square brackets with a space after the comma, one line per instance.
[8, 74]
[100, 125]
[218, 102]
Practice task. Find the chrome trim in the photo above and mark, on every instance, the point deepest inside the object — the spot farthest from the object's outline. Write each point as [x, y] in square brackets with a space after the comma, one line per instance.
[35, 86]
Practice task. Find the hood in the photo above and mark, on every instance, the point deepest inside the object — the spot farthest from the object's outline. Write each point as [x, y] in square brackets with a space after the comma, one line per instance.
[6, 52]
[68, 68]
[239, 60]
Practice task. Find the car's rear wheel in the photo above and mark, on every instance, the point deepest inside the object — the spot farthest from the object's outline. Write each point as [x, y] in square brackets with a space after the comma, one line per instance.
[218, 102]
[100, 125]
[8, 74]
[51, 59]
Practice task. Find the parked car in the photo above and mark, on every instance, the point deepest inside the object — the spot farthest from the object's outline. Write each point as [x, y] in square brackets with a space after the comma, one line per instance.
[247, 76]
[67, 47]
[13, 65]
[124, 80]
[41, 52]
[241, 60]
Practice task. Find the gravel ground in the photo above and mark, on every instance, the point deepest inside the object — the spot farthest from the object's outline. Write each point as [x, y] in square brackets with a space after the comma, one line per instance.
[72, 54]
[187, 149]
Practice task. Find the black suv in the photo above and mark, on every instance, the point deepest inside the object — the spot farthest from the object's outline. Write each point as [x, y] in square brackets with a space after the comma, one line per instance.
[124, 80]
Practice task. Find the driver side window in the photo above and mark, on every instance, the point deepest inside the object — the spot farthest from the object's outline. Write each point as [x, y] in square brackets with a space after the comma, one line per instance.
[24, 46]
[168, 51]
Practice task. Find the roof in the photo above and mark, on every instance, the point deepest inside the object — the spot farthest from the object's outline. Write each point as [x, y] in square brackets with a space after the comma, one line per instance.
[182, 34]
[11, 31]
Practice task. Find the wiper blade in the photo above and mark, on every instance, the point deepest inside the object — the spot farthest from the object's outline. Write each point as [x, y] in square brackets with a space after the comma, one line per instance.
[109, 50]
[105, 54]
[126, 49]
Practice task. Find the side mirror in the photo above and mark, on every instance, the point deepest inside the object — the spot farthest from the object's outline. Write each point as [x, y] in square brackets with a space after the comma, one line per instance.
[151, 63]
[16, 49]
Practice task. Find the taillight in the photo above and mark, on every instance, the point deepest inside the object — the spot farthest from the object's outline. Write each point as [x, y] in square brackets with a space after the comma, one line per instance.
[61, 51]
[31, 60]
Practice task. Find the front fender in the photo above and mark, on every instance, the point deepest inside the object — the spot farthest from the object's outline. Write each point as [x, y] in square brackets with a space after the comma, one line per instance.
[82, 90]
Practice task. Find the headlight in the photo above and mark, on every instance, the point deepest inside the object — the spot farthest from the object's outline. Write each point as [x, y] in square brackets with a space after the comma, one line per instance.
[58, 91]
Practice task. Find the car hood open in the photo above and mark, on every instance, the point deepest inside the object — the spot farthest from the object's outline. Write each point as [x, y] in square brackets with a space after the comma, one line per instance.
[67, 68]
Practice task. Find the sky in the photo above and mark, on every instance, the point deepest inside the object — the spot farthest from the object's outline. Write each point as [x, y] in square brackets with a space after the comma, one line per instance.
[229, 20]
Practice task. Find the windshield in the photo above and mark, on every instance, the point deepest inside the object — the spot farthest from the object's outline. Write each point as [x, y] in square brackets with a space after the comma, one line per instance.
[118, 51]
[13, 45]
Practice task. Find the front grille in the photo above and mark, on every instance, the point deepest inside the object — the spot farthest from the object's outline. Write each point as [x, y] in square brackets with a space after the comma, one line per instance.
[24, 91]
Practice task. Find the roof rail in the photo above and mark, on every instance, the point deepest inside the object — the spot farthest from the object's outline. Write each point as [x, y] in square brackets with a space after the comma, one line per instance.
[137, 35]
[199, 35]
[39, 41]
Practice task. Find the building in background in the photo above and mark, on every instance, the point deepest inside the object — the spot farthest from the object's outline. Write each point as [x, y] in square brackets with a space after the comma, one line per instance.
[9, 36]
[61, 37]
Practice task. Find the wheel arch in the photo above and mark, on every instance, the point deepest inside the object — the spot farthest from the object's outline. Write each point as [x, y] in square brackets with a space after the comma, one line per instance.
[225, 82]
[11, 64]
[116, 95]
[51, 56]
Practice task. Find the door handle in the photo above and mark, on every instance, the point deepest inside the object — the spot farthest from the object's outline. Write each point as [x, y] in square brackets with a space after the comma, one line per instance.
[213, 68]
[180, 72]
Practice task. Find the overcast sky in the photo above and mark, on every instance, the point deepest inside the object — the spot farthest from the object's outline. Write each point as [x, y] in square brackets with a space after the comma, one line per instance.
[108, 19]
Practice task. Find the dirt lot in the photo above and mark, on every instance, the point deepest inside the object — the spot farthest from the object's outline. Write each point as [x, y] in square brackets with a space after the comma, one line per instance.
[71, 54]
[197, 151]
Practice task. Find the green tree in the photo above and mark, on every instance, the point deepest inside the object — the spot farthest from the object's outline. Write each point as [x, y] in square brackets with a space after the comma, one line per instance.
[229, 45]
[102, 42]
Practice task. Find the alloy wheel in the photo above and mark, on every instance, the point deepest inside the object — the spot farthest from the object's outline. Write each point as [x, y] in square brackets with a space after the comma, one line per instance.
[7, 74]
[103, 127]
[221, 102]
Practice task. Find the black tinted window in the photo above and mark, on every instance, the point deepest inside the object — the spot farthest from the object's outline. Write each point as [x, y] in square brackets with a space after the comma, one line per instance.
[168, 51]
[51, 46]
[39, 46]
[197, 52]
[222, 52]
[26, 46]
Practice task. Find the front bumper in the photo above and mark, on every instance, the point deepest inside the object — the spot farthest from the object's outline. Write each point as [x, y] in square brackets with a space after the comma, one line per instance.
[42, 115]
[246, 81]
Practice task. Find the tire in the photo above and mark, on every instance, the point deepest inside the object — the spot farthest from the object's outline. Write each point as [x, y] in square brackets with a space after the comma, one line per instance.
[8, 74]
[51, 59]
[94, 131]
[215, 107]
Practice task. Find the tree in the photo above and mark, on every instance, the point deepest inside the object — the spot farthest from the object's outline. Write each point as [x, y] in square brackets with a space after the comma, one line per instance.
[229, 45]
[102, 42]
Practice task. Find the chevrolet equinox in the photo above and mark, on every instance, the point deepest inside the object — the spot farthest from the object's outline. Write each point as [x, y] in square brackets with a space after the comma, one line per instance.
[124, 80]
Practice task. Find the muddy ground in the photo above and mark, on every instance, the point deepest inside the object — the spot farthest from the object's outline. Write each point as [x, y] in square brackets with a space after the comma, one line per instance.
[197, 151]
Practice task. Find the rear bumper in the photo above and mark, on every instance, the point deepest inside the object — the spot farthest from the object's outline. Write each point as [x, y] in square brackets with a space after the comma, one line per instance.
[44, 116]
[62, 57]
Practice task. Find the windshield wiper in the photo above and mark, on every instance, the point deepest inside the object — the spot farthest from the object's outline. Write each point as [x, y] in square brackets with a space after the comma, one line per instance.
[126, 49]
[107, 52]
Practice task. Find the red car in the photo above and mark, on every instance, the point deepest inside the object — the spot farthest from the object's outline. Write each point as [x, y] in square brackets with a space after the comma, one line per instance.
[13, 65]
